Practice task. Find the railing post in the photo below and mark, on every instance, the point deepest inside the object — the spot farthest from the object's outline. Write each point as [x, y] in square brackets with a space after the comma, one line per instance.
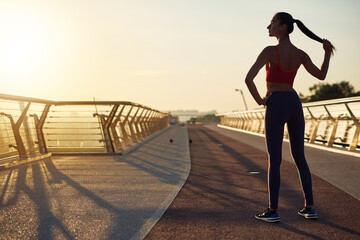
[117, 142]
[253, 121]
[157, 122]
[39, 124]
[224, 120]
[245, 124]
[238, 120]
[105, 123]
[242, 121]
[131, 122]
[146, 122]
[263, 122]
[316, 126]
[235, 120]
[25, 124]
[228, 121]
[335, 124]
[16, 130]
[139, 127]
[122, 127]
[151, 122]
[248, 122]
[154, 122]
[355, 139]
[260, 120]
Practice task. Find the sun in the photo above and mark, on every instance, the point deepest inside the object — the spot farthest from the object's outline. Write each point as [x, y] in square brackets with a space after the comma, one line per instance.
[24, 44]
[20, 51]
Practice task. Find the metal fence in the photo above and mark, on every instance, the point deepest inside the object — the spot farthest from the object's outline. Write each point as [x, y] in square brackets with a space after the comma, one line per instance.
[30, 126]
[333, 122]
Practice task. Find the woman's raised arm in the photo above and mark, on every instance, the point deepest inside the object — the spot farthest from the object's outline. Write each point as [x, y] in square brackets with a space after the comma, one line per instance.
[312, 69]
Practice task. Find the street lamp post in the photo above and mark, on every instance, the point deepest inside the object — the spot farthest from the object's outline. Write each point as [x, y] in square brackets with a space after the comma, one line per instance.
[242, 94]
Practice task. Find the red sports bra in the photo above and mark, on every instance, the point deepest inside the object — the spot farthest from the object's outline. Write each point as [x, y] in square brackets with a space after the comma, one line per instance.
[280, 75]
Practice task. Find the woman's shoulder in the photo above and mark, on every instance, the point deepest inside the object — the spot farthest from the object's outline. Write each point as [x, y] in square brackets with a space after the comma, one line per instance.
[302, 52]
[269, 50]
[303, 55]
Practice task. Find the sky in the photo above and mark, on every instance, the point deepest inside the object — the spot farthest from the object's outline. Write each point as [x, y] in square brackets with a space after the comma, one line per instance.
[166, 54]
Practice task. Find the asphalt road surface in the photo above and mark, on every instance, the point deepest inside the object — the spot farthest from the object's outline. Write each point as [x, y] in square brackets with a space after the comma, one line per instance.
[227, 186]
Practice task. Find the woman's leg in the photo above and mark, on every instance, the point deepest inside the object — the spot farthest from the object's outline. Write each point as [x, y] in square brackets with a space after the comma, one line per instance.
[274, 132]
[296, 128]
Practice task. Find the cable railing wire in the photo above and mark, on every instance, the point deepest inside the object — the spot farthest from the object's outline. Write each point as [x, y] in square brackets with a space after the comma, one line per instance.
[332, 123]
[30, 124]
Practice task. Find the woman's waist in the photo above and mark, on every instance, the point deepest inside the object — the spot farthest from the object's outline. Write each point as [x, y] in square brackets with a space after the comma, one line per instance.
[279, 87]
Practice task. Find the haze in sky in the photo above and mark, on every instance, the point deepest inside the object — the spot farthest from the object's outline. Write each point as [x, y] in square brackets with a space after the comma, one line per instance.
[167, 54]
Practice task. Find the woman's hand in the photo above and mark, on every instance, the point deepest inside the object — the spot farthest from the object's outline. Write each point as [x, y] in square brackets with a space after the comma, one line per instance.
[264, 100]
[328, 47]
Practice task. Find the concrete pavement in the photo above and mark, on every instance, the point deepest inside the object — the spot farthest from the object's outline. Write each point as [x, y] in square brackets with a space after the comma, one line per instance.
[94, 197]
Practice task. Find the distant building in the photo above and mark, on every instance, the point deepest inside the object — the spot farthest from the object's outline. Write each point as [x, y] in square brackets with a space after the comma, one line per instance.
[173, 120]
[186, 115]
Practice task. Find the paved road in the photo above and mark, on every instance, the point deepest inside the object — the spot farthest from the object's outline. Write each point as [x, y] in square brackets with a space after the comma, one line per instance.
[339, 169]
[93, 197]
[222, 195]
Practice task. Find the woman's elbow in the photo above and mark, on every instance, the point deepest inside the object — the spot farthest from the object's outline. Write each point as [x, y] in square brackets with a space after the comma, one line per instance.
[249, 80]
[249, 83]
[322, 77]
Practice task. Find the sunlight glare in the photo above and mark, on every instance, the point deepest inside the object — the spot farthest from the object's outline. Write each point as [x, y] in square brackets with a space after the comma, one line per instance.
[23, 45]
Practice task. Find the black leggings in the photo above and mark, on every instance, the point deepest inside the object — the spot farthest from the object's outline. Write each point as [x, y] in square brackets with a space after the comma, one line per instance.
[281, 108]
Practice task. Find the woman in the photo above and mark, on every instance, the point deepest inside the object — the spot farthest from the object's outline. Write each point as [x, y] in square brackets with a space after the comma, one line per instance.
[283, 106]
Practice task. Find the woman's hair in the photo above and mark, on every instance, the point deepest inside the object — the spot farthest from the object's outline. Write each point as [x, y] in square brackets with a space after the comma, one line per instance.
[286, 18]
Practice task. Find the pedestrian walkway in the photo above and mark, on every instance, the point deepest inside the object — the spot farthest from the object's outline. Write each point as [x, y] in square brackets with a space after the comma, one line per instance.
[94, 197]
[340, 168]
[227, 186]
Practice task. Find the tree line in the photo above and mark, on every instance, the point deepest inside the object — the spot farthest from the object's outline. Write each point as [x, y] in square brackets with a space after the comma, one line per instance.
[327, 91]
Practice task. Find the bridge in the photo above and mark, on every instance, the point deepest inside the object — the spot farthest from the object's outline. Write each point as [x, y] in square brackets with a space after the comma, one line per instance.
[117, 170]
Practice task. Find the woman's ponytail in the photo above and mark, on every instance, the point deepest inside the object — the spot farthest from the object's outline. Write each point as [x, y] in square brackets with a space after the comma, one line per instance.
[310, 34]
[306, 31]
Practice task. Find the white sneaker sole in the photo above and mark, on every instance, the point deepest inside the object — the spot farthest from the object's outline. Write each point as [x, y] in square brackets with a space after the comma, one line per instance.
[270, 220]
[308, 216]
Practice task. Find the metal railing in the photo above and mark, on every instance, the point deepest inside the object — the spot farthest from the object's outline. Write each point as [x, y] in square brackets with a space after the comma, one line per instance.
[29, 126]
[333, 122]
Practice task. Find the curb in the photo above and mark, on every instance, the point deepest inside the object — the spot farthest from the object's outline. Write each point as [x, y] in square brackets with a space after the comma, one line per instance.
[134, 147]
[24, 161]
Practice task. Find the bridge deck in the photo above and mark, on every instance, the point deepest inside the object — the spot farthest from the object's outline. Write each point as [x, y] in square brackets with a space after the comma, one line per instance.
[221, 196]
[122, 197]
[94, 197]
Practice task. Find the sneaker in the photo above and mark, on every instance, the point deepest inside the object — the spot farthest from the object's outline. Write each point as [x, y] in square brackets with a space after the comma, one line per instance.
[268, 216]
[308, 213]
